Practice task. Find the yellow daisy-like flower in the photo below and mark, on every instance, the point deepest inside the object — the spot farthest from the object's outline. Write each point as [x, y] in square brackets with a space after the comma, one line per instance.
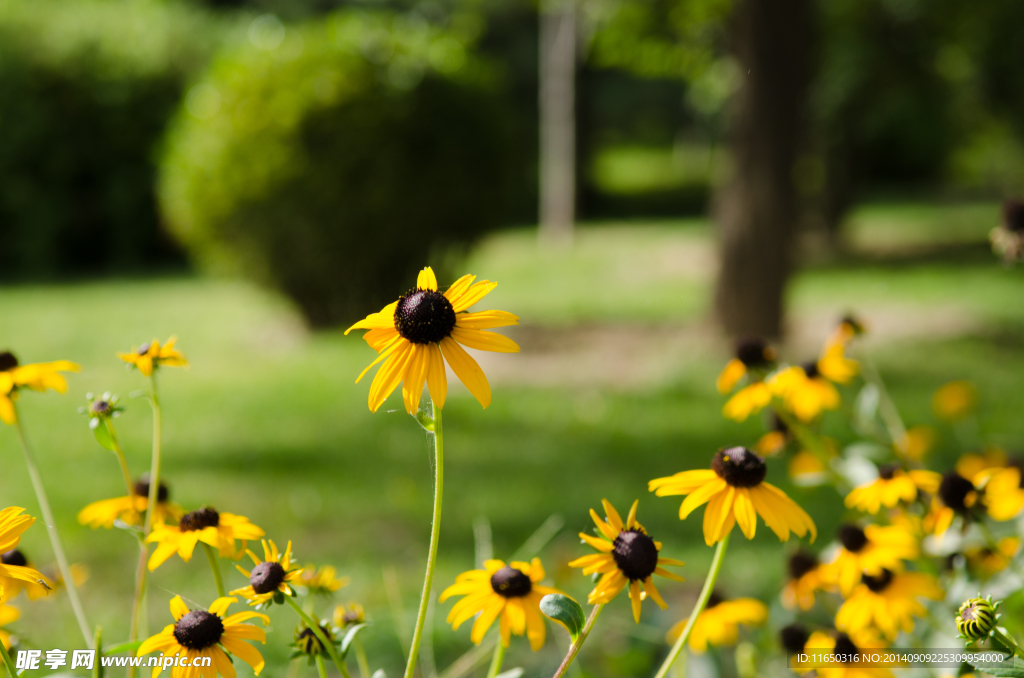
[349, 615]
[323, 581]
[8, 614]
[718, 624]
[868, 551]
[805, 468]
[804, 391]
[842, 645]
[987, 561]
[749, 400]
[220, 530]
[957, 496]
[735, 492]
[271, 575]
[973, 463]
[424, 328]
[197, 634]
[847, 329]
[893, 485]
[16, 574]
[835, 366]
[509, 593]
[1003, 494]
[36, 376]
[955, 400]
[804, 580]
[35, 589]
[131, 510]
[628, 557]
[888, 602]
[307, 642]
[752, 355]
[148, 357]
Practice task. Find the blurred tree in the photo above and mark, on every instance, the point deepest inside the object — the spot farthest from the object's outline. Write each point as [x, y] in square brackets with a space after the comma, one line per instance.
[558, 49]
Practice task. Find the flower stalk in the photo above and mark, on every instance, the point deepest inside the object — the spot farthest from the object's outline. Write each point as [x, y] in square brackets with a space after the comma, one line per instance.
[577, 644]
[215, 566]
[497, 659]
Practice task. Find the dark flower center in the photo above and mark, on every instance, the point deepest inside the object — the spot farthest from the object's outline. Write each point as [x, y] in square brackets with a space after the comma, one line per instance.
[852, 538]
[794, 638]
[811, 370]
[879, 582]
[197, 520]
[739, 467]
[953, 491]
[754, 352]
[887, 471]
[141, 489]
[635, 554]
[14, 557]
[198, 630]
[7, 361]
[800, 563]
[424, 316]
[778, 424]
[266, 577]
[1013, 215]
[509, 582]
[309, 643]
[142, 350]
[845, 646]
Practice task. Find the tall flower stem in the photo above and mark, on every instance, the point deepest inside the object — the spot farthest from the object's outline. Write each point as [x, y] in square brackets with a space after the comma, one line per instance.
[577, 644]
[51, 528]
[702, 601]
[314, 626]
[321, 669]
[125, 473]
[215, 566]
[497, 659]
[886, 407]
[435, 435]
[364, 665]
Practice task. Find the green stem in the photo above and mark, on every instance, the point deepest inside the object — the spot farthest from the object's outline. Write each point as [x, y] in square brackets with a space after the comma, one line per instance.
[321, 669]
[886, 407]
[51, 528]
[140, 589]
[319, 633]
[1007, 641]
[577, 644]
[497, 659]
[125, 473]
[215, 566]
[13, 672]
[364, 665]
[435, 432]
[702, 601]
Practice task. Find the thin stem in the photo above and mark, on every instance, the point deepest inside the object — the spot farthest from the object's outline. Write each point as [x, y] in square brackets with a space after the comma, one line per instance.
[125, 473]
[215, 566]
[137, 606]
[702, 601]
[1007, 641]
[319, 633]
[577, 644]
[51, 528]
[320, 666]
[436, 434]
[364, 666]
[886, 407]
[497, 659]
[11, 670]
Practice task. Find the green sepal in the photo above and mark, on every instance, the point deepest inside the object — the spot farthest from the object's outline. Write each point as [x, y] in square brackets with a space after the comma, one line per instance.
[102, 433]
[346, 642]
[278, 597]
[566, 612]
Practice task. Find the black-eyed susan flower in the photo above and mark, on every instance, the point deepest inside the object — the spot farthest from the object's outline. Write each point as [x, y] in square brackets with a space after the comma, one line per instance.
[774, 441]
[628, 557]
[955, 400]
[1003, 496]
[130, 510]
[735, 492]
[977, 618]
[793, 638]
[846, 651]
[986, 561]
[833, 365]
[718, 624]
[916, 443]
[893, 485]
[888, 602]
[16, 574]
[322, 581]
[957, 496]
[424, 328]
[100, 407]
[848, 329]
[804, 580]
[306, 642]
[148, 357]
[804, 391]
[509, 593]
[207, 525]
[208, 633]
[751, 356]
[868, 550]
[271, 576]
[36, 376]
[973, 463]
[33, 589]
[349, 615]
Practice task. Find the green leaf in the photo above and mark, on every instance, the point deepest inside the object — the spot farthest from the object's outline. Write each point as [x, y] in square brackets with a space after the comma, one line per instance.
[1008, 672]
[349, 637]
[102, 433]
[565, 611]
[123, 647]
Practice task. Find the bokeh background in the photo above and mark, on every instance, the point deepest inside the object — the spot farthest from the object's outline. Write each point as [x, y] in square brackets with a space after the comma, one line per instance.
[253, 176]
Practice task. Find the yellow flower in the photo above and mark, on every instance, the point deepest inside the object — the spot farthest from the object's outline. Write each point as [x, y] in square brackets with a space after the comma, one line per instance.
[987, 561]
[1003, 495]
[846, 645]
[892, 486]
[206, 525]
[749, 400]
[868, 551]
[954, 401]
[323, 581]
[957, 496]
[973, 463]
[916, 443]
[835, 366]
[424, 328]
[131, 510]
[718, 623]
[628, 557]
[509, 593]
[751, 355]
[804, 391]
[847, 329]
[8, 614]
[805, 468]
[148, 357]
[735, 492]
[804, 580]
[197, 634]
[271, 575]
[17, 575]
[306, 641]
[771, 443]
[36, 376]
[349, 615]
[888, 602]
[35, 589]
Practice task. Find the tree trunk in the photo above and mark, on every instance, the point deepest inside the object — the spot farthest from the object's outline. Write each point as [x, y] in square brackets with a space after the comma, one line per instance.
[557, 121]
[757, 207]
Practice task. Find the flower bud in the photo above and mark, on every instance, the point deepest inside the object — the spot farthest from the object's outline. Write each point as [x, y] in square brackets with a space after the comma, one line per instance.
[976, 618]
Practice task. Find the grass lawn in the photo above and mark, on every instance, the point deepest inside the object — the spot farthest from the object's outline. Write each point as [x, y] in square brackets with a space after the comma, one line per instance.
[268, 423]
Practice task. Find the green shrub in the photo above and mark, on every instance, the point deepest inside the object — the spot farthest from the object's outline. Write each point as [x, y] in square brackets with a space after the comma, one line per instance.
[331, 160]
[86, 88]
